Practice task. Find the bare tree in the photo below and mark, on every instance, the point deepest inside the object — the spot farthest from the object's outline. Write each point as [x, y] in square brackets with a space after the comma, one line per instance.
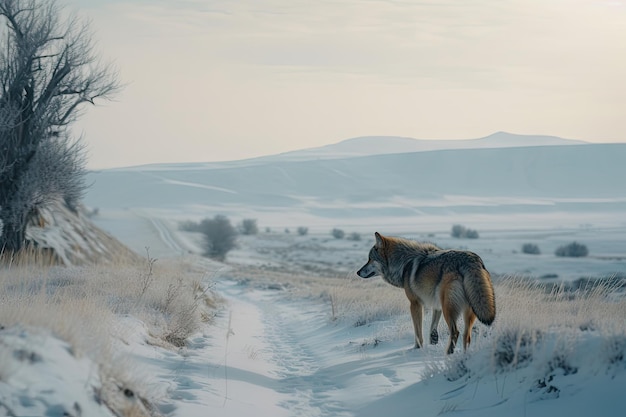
[48, 72]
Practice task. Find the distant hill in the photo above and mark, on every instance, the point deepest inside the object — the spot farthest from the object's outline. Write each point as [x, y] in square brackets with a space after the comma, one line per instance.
[380, 145]
[372, 145]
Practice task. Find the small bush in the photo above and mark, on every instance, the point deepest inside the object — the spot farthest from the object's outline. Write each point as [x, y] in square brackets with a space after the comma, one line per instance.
[531, 249]
[354, 236]
[573, 249]
[461, 232]
[514, 348]
[457, 230]
[302, 231]
[471, 234]
[338, 233]
[220, 236]
[249, 227]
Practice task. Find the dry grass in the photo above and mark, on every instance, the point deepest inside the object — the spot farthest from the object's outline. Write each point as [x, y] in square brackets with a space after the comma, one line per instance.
[348, 297]
[528, 313]
[528, 304]
[80, 306]
[554, 328]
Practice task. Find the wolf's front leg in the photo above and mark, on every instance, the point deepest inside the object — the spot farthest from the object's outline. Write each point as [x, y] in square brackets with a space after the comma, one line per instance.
[417, 311]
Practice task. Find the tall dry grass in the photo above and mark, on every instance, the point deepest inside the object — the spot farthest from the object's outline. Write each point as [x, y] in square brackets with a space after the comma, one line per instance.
[556, 329]
[531, 316]
[81, 305]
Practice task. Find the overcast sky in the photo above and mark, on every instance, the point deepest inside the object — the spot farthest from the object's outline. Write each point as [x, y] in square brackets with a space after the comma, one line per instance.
[231, 79]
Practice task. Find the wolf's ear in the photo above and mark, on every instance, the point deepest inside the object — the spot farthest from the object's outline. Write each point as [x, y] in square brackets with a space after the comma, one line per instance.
[379, 240]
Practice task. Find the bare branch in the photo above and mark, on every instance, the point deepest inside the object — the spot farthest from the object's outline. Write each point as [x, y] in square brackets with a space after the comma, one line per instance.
[48, 71]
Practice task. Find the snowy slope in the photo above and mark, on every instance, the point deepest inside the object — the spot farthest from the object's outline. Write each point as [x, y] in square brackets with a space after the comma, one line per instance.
[73, 238]
[506, 181]
[43, 376]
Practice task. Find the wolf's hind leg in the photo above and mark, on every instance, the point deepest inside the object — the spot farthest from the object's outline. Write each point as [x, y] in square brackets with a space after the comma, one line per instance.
[452, 295]
[454, 331]
[417, 311]
[469, 318]
[434, 335]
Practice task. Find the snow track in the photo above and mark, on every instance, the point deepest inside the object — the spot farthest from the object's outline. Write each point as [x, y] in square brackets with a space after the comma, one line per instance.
[166, 236]
[269, 356]
[270, 338]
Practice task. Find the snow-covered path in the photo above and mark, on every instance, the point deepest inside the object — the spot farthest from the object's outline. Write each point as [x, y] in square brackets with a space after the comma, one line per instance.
[268, 356]
[265, 352]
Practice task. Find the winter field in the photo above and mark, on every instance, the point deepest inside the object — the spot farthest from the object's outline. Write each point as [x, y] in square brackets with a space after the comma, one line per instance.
[284, 327]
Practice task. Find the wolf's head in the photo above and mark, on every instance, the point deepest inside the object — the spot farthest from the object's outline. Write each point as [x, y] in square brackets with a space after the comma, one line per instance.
[376, 260]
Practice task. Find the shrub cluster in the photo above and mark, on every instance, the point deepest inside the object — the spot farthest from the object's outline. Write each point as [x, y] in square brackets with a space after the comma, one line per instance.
[531, 249]
[219, 234]
[461, 232]
[573, 249]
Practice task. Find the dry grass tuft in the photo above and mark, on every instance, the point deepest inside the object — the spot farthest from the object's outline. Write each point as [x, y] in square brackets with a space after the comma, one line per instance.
[547, 325]
[81, 304]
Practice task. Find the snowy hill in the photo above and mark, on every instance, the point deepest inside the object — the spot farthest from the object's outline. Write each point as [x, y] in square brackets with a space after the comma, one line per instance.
[400, 187]
[379, 145]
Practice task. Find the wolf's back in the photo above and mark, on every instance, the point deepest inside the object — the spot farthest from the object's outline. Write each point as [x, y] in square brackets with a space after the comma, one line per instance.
[479, 292]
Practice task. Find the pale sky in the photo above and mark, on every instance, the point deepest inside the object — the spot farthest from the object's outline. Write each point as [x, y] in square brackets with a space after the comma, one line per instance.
[218, 80]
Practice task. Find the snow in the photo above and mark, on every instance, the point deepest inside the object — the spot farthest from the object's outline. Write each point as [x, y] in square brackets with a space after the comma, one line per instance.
[525, 186]
[272, 352]
[269, 355]
[41, 376]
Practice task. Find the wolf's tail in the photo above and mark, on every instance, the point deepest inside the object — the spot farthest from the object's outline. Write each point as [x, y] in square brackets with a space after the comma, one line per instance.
[479, 292]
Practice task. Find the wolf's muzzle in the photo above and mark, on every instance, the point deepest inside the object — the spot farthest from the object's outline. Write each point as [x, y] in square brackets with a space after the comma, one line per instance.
[367, 271]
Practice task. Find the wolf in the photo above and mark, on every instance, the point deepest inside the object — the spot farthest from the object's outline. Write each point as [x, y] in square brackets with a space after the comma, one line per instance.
[448, 281]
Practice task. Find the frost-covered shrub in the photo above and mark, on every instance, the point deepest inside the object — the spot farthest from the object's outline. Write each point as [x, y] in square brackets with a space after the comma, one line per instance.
[303, 230]
[249, 227]
[220, 236]
[354, 236]
[461, 232]
[573, 249]
[514, 348]
[338, 233]
[531, 249]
